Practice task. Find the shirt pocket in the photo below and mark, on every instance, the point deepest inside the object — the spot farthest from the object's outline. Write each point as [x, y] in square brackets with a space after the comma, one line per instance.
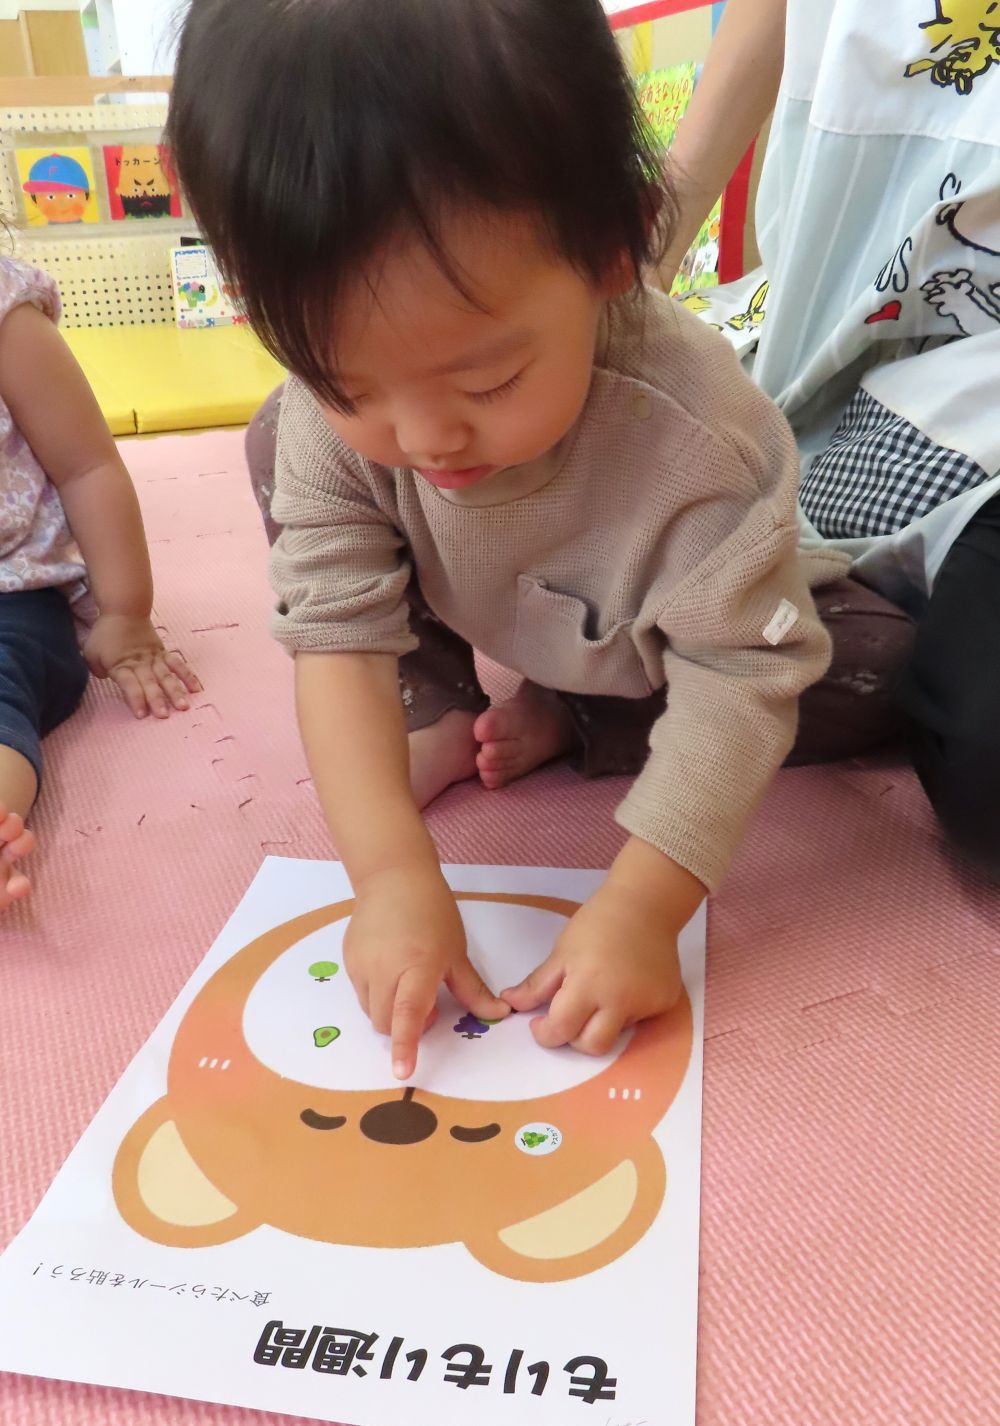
[552, 647]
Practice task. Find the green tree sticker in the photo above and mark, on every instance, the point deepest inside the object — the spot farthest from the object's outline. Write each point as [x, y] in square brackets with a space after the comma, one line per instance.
[323, 970]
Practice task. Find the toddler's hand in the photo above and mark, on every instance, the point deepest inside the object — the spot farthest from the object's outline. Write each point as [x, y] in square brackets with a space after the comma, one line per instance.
[406, 937]
[615, 963]
[131, 653]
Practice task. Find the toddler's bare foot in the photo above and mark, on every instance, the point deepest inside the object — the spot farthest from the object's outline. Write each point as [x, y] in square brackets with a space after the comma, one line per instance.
[15, 843]
[442, 754]
[516, 737]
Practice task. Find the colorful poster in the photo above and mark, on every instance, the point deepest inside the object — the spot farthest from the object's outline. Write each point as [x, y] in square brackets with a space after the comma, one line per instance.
[202, 298]
[664, 95]
[512, 1223]
[141, 182]
[58, 186]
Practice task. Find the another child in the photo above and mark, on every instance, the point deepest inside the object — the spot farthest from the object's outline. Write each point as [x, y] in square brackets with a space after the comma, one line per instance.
[71, 542]
[495, 438]
[879, 229]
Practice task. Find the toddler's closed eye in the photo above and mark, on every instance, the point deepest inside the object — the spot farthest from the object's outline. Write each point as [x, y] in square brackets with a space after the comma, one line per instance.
[497, 391]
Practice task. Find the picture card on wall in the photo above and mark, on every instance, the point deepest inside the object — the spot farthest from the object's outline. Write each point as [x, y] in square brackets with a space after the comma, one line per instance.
[57, 186]
[141, 182]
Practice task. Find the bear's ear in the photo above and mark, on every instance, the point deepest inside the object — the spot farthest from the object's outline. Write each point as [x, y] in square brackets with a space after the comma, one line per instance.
[584, 1232]
[162, 1193]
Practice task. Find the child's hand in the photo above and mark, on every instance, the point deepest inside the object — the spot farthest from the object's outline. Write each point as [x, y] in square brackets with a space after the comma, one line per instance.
[406, 937]
[611, 967]
[129, 651]
[616, 962]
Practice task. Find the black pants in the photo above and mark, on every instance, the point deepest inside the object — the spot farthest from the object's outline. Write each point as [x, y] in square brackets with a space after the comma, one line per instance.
[950, 692]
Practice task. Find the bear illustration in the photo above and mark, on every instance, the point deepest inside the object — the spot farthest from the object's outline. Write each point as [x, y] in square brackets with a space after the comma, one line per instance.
[281, 1109]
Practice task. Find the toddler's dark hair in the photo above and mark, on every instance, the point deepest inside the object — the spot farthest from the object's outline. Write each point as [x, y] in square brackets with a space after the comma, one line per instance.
[307, 132]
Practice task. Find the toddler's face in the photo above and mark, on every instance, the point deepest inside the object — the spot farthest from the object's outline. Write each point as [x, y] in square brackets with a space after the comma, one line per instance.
[455, 392]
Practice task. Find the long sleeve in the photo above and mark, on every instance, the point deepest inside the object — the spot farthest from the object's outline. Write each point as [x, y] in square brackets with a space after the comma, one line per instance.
[339, 568]
[743, 642]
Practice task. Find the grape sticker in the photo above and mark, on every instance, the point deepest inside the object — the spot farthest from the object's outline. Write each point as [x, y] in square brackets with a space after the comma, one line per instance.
[470, 1027]
[538, 1139]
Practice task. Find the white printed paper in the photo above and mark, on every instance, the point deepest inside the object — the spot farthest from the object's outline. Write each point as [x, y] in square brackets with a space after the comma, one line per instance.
[261, 1216]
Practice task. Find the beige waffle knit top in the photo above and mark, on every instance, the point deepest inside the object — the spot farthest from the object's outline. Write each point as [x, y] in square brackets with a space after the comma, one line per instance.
[656, 543]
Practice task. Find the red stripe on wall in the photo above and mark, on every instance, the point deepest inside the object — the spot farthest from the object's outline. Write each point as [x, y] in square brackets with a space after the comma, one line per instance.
[734, 217]
[653, 10]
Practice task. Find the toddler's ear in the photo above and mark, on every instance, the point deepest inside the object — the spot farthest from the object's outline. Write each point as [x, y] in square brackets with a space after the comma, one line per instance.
[162, 1193]
[584, 1232]
[619, 278]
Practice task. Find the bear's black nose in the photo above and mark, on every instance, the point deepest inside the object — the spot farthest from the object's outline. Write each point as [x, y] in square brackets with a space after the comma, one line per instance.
[399, 1121]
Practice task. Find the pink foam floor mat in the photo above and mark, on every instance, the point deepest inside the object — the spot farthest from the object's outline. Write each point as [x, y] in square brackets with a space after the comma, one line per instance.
[851, 1186]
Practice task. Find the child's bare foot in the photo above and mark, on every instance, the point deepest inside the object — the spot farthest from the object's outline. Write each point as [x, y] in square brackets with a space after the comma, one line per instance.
[442, 754]
[516, 737]
[15, 843]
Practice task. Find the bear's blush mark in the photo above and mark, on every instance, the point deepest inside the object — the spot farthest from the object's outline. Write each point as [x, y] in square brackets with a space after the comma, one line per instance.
[313, 1120]
[475, 1136]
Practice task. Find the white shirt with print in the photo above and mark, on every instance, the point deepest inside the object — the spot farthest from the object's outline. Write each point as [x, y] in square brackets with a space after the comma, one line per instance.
[878, 221]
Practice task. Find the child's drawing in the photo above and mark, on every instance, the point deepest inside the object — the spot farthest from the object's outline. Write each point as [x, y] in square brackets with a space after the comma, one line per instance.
[201, 297]
[249, 1133]
[58, 186]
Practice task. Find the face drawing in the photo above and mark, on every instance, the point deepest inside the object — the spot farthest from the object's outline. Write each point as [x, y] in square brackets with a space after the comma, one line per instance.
[62, 205]
[144, 187]
[59, 187]
[281, 1109]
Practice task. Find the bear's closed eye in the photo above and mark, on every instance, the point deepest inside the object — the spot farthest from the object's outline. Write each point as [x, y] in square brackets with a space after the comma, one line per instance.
[322, 1121]
[475, 1136]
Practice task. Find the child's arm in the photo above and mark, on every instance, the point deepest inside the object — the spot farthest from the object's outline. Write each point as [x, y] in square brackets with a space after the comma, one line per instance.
[340, 572]
[406, 935]
[733, 98]
[729, 723]
[55, 410]
[742, 642]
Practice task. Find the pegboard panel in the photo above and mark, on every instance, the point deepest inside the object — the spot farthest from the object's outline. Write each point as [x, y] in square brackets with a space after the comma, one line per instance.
[103, 118]
[107, 278]
[108, 282]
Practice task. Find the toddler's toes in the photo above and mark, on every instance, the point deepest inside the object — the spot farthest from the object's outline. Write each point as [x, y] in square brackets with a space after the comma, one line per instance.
[15, 840]
[491, 725]
[14, 886]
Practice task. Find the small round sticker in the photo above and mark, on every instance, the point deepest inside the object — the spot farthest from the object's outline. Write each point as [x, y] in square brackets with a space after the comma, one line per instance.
[538, 1139]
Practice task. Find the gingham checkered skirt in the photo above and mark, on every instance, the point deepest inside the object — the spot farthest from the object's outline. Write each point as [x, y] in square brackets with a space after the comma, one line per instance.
[879, 474]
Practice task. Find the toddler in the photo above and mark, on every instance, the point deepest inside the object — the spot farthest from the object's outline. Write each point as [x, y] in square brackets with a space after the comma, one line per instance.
[494, 437]
[72, 556]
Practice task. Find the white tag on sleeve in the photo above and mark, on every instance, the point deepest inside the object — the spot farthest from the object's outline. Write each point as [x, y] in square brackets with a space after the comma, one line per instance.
[782, 622]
